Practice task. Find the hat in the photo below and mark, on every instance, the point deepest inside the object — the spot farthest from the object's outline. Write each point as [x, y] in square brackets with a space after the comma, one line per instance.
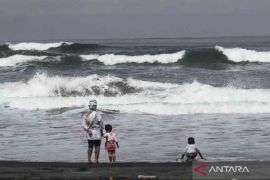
[92, 104]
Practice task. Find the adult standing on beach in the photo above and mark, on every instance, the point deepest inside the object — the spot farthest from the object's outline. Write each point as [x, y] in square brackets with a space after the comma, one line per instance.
[93, 126]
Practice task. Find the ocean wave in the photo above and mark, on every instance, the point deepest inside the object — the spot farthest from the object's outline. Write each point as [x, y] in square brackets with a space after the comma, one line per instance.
[241, 54]
[76, 48]
[132, 96]
[16, 59]
[35, 46]
[112, 59]
[3, 47]
[42, 85]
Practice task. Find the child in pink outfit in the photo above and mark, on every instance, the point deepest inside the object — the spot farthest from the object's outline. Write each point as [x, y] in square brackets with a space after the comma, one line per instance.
[111, 143]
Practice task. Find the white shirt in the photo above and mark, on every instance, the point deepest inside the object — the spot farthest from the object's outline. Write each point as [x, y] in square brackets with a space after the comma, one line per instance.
[110, 136]
[92, 123]
[191, 148]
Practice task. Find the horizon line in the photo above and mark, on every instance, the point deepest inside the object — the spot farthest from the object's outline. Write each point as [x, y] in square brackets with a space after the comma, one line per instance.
[133, 38]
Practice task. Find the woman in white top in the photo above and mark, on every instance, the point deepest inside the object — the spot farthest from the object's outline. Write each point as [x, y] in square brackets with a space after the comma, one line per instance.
[93, 126]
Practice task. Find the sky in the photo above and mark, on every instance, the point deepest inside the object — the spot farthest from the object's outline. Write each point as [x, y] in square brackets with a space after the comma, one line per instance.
[26, 20]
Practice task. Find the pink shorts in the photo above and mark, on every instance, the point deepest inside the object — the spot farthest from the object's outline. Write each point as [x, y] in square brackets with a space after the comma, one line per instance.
[110, 147]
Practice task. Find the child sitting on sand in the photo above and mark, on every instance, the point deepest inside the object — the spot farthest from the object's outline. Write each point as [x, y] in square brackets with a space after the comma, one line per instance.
[191, 150]
[111, 143]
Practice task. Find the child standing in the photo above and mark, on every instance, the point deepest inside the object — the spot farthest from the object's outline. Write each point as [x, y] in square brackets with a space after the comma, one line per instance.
[191, 150]
[111, 143]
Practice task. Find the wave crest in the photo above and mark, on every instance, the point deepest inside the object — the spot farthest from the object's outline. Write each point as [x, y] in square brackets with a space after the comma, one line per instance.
[16, 59]
[112, 59]
[35, 46]
[41, 85]
[76, 48]
[131, 95]
[241, 55]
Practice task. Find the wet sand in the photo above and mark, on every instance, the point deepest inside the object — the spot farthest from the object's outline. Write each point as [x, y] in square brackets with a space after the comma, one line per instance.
[133, 170]
[66, 170]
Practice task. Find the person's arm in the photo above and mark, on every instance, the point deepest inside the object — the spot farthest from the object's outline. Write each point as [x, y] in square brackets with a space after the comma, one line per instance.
[183, 155]
[116, 142]
[101, 132]
[200, 154]
[85, 127]
[105, 135]
[106, 141]
[98, 116]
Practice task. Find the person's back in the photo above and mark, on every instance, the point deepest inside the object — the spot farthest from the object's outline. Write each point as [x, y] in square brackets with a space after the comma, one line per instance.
[110, 136]
[191, 150]
[111, 143]
[93, 126]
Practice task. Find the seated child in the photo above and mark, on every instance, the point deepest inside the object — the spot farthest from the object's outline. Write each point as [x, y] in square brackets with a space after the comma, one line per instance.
[191, 150]
[111, 143]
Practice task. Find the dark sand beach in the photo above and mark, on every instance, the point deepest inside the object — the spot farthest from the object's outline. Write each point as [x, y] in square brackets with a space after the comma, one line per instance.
[133, 170]
[66, 170]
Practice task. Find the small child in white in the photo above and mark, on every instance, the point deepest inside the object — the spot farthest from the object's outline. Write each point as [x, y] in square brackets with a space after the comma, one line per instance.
[111, 143]
[191, 150]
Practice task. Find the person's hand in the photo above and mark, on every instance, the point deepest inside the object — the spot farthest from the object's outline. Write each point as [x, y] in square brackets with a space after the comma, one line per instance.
[89, 132]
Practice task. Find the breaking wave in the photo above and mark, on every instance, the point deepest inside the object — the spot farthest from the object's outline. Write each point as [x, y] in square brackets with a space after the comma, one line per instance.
[111, 59]
[241, 55]
[16, 59]
[132, 96]
[35, 46]
[76, 48]
[217, 57]
[42, 85]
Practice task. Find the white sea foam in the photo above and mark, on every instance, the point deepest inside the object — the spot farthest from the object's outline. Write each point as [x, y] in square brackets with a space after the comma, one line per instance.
[111, 59]
[16, 59]
[240, 54]
[42, 85]
[35, 46]
[155, 97]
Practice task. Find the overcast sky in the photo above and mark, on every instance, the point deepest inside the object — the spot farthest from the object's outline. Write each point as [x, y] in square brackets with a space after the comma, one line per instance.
[91, 19]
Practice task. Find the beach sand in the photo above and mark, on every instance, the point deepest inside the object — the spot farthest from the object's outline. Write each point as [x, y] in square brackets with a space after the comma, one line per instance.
[67, 170]
[133, 170]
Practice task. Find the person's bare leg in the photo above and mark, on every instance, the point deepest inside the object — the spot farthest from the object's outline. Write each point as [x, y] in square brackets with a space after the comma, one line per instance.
[89, 155]
[110, 158]
[113, 157]
[97, 149]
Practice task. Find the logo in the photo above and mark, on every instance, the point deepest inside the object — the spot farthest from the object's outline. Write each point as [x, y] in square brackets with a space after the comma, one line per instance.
[204, 171]
[228, 169]
[200, 169]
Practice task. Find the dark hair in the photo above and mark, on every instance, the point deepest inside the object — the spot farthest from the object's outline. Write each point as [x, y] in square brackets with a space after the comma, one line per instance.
[108, 128]
[191, 140]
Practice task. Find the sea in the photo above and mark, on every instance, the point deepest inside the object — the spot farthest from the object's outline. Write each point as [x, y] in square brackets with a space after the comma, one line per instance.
[155, 92]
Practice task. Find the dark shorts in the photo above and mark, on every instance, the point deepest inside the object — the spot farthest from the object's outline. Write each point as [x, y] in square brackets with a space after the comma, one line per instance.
[191, 155]
[94, 143]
